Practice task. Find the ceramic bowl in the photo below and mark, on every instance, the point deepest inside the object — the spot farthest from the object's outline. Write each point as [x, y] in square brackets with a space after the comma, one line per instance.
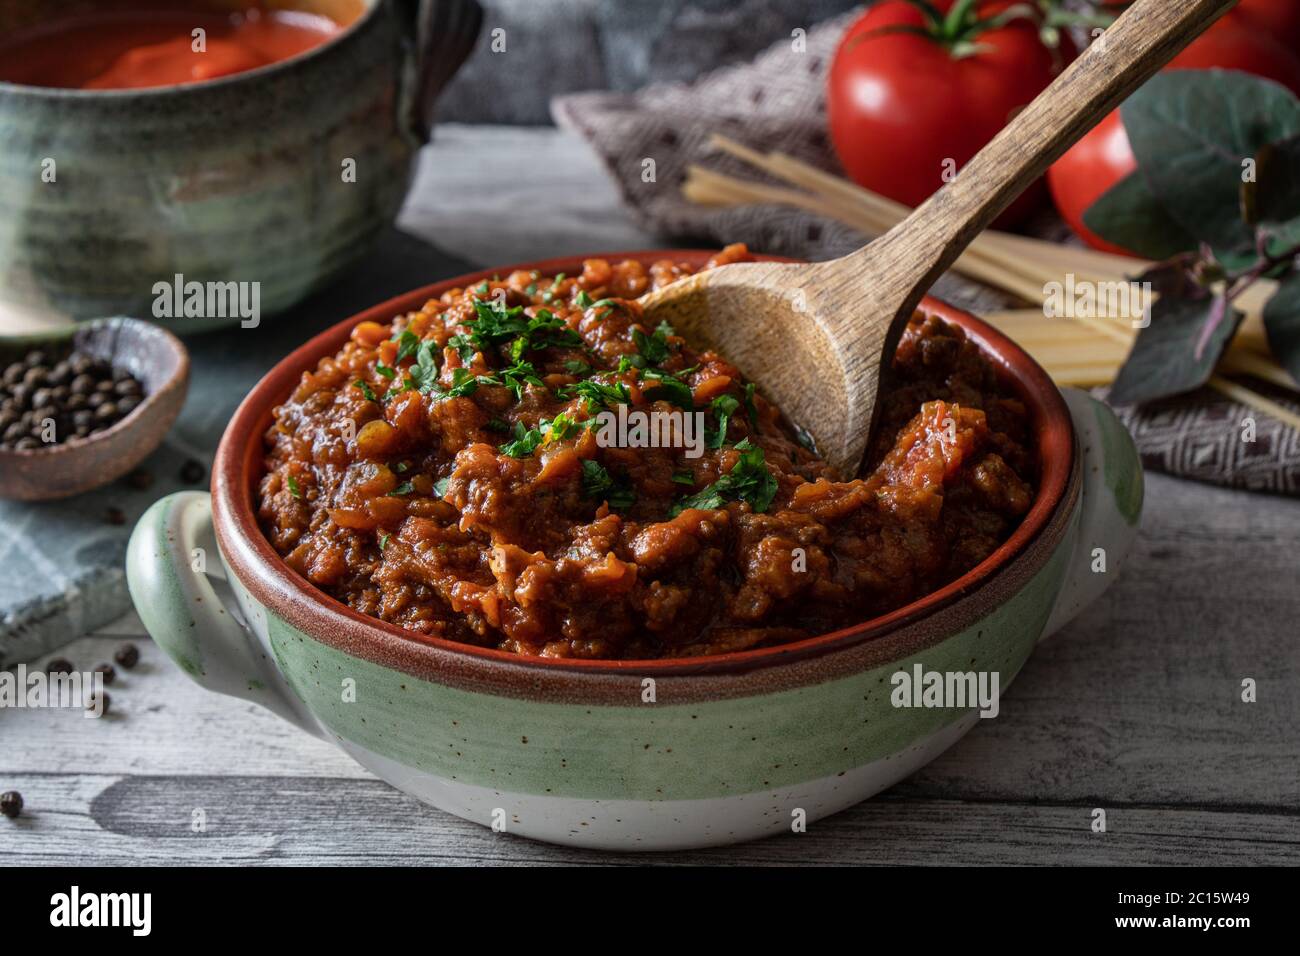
[158, 361]
[624, 754]
[104, 194]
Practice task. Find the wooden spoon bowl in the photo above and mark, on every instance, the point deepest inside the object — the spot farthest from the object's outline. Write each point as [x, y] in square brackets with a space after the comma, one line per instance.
[154, 356]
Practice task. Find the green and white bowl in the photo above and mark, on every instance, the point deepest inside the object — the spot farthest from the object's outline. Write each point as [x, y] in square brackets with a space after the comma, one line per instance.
[624, 754]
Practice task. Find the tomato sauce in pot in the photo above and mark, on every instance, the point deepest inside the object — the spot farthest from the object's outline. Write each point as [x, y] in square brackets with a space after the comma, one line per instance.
[158, 46]
[462, 472]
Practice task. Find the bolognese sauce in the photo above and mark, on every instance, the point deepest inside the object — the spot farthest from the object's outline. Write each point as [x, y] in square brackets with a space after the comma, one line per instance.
[444, 472]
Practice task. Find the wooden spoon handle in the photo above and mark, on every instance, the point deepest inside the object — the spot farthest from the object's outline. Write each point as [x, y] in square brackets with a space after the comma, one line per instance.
[1145, 38]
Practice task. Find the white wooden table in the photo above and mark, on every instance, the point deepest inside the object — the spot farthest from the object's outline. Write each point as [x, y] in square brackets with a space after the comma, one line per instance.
[1135, 708]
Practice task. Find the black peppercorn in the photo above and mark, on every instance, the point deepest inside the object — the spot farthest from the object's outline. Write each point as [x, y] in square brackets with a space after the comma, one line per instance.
[59, 665]
[11, 803]
[99, 702]
[127, 656]
[107, 671]
[192, 472]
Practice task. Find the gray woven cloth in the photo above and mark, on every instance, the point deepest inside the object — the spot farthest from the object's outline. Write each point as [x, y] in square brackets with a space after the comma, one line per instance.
[648, 139]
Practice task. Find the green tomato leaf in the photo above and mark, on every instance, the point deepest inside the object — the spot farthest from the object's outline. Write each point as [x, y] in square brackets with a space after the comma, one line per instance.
[1282, 323]
[1130, 216]
[1192, 132]
[1177, 352]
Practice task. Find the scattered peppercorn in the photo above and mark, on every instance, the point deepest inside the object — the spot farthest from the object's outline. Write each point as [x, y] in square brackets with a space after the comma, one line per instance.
[11, 803]
[127, 656]
[59, 665]
[45, 402]
[115, 516]
[192, 472]
[107, 671]
[138, 479]
[94, 703]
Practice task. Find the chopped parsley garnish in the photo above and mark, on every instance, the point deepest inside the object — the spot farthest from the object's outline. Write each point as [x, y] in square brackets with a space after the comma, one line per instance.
[598, 484]
[405, 488]
[483, 288]
[563, 426]
[293, 487]
[555, 286]
[463, 383]
[366, 390]
[400, 467]
[440, 486]
[583, 300]
[516, 376]
[598, 395]
[525, 443]
[463, 346]
[407, 342]
[669, 387]
[577, 368]
[724, 406]
[423, 375]
[749, 480]
[653, 349]
[385, 371]
[383, 540]
[527, 440]
[498, 425]
[684, 477]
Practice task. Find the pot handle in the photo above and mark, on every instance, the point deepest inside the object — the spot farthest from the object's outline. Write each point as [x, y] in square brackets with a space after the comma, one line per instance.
[440, 35]
[1110, 506]
[178, 584]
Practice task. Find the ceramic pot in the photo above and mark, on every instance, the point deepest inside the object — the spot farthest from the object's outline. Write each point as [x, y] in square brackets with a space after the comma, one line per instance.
[244, 179]
[624, 754]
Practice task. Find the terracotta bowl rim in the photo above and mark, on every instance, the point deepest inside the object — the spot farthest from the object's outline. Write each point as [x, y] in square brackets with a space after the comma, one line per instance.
[261, 570]
[184, 89]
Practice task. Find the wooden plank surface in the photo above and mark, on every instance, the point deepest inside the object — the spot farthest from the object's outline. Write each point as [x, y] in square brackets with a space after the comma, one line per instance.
[1135, 708]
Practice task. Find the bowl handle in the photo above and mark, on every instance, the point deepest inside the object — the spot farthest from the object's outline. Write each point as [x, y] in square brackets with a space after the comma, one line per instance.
[1110, 505]
[174, 574]
[440, 36]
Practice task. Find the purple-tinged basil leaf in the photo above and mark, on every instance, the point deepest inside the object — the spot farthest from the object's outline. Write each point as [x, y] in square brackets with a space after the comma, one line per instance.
[1164, 360]
[1276, 194]
[1192, 131]
[1130, 216]
[1282, 323]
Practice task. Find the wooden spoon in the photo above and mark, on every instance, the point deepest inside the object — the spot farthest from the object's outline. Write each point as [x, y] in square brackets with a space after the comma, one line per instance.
[815, 336]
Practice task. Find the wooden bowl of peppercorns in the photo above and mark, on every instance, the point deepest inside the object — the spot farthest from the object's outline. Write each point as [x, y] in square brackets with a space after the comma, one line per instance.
[83, 406]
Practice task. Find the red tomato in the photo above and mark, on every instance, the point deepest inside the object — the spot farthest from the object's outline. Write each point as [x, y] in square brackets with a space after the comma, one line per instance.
[1279, 19]
[904, 108]
[1103, 157]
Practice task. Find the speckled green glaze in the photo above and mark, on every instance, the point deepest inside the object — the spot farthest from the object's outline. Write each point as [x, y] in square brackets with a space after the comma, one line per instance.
[655, 751]
[1123, 470]
[238, 179]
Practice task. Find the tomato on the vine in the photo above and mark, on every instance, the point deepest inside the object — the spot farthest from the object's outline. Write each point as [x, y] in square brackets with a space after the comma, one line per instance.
[916, 88]
[1103, 157]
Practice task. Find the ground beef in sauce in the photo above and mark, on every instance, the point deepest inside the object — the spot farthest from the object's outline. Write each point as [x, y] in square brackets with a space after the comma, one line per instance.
[387, 485]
